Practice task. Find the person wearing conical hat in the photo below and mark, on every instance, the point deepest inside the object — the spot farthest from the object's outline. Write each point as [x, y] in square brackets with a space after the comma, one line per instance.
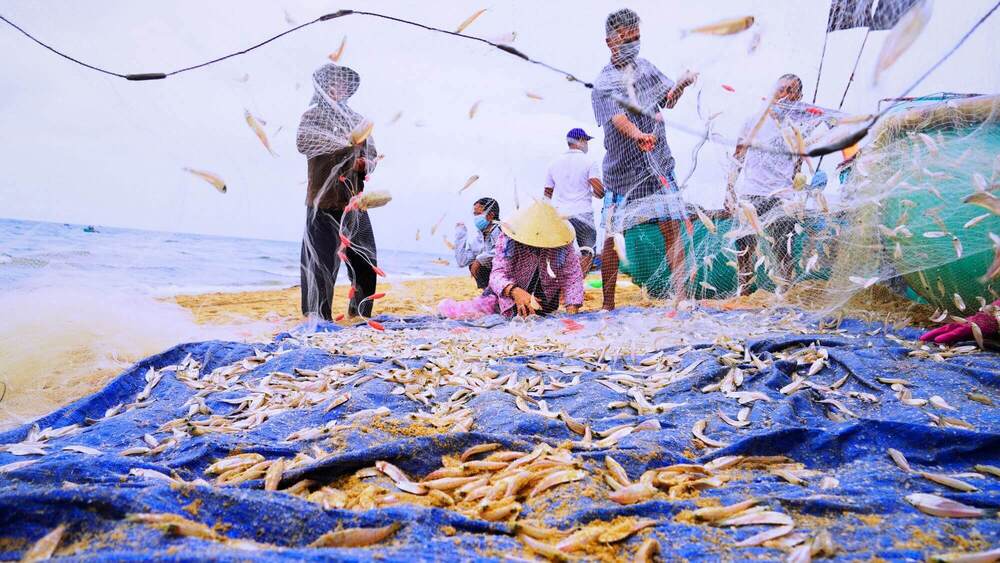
[536, 263]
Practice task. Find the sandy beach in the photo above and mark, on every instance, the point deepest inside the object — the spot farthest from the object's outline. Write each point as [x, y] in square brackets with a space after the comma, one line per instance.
[411, 297]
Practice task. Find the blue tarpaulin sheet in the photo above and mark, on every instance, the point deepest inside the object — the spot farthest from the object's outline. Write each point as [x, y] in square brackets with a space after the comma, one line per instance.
[862, 505]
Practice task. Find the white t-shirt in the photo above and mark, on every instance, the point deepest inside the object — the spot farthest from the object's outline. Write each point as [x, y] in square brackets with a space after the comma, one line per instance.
[569, 177]
[765, 172]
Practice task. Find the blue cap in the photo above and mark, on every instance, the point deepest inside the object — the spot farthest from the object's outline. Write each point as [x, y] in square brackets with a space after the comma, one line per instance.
[578, 134]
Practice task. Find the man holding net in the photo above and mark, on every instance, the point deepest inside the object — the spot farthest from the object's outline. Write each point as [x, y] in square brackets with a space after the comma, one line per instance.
[336, 141]
[638, 166]
[476, 253]
[764, 172]
[571, 181]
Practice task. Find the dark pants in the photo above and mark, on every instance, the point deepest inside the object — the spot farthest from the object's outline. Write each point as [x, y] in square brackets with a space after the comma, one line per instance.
[482, 276]
[319, 263]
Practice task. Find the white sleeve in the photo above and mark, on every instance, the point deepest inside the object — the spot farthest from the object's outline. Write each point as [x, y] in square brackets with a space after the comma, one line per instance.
[595, 169]
[549, 182]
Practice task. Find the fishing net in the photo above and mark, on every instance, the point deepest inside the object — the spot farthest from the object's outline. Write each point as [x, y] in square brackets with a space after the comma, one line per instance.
[341, 153]
[706, 199]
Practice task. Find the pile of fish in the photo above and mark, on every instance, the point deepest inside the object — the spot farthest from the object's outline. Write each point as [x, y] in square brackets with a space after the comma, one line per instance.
[536, 425]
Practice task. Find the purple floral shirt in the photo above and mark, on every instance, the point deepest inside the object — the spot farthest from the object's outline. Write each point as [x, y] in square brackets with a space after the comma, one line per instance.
[514, 263]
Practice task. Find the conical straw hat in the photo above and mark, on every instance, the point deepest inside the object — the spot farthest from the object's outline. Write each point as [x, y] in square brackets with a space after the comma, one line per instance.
[539, 225]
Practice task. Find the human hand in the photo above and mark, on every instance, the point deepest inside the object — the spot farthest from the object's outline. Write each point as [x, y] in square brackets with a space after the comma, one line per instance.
[474, 268]
[687, 78]
[645, 142]
[523, 301]
[957, 332]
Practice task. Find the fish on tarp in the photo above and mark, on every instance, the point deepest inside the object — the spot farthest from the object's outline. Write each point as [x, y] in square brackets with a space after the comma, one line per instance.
[213, 179]
[902, 36]
[722, 27]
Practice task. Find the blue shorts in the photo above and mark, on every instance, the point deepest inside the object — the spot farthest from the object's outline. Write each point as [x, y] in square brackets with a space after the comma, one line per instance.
[653, 204]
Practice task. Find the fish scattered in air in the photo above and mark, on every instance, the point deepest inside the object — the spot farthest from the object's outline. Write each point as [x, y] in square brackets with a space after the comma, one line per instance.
[417, 236]
[472, 180]
[705, 220]
[243, 79]
[728, 88]
[361, 132]
[468, 21]
[517, 199]
[902, 36]
[438, 224]
[504, 39]
[289, 19]
[474, 109]
[258, 130]
[975, 221]
[723, 27]
[754, 43]
[985, 200]
[335, 56]
[533, 96]
[213, 179]
[396, 117]
[448, 243]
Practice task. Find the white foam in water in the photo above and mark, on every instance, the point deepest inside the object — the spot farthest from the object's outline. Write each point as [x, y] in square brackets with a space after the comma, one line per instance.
[60, 343]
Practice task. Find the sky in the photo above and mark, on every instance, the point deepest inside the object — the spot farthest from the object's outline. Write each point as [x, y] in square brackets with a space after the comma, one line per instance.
[88, 148]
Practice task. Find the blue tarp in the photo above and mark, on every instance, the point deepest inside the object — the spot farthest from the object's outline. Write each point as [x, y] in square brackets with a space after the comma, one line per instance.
[866, 514]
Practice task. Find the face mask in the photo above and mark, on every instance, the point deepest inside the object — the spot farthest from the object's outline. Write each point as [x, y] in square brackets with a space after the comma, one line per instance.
[480, 222]
[627, 53]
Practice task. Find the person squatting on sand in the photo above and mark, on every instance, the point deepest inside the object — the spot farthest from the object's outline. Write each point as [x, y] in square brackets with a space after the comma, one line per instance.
[571, 181]
[536, 265]
[476, 252]
[338, 164]
[638, 166]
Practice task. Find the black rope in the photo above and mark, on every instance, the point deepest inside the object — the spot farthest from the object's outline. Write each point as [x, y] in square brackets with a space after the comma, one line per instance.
[60, 53]
[826, 37]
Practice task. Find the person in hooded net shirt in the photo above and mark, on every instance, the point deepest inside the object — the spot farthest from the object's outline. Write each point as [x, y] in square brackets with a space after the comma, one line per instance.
[337, 169]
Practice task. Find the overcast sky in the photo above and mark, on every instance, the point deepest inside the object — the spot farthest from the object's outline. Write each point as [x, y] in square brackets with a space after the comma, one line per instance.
[86, 148]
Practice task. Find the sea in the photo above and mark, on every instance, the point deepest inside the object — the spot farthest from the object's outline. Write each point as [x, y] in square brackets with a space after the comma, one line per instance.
[38, 254]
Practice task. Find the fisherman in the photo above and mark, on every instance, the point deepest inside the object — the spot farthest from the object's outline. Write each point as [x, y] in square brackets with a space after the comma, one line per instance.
[536, 264]
[638, 167]
[571, 181]
[338, 165]
[477, 253]
[762, 176]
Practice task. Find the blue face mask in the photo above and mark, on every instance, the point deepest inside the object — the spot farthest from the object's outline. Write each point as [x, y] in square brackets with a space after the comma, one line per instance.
[480, 222]
[627, 53]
